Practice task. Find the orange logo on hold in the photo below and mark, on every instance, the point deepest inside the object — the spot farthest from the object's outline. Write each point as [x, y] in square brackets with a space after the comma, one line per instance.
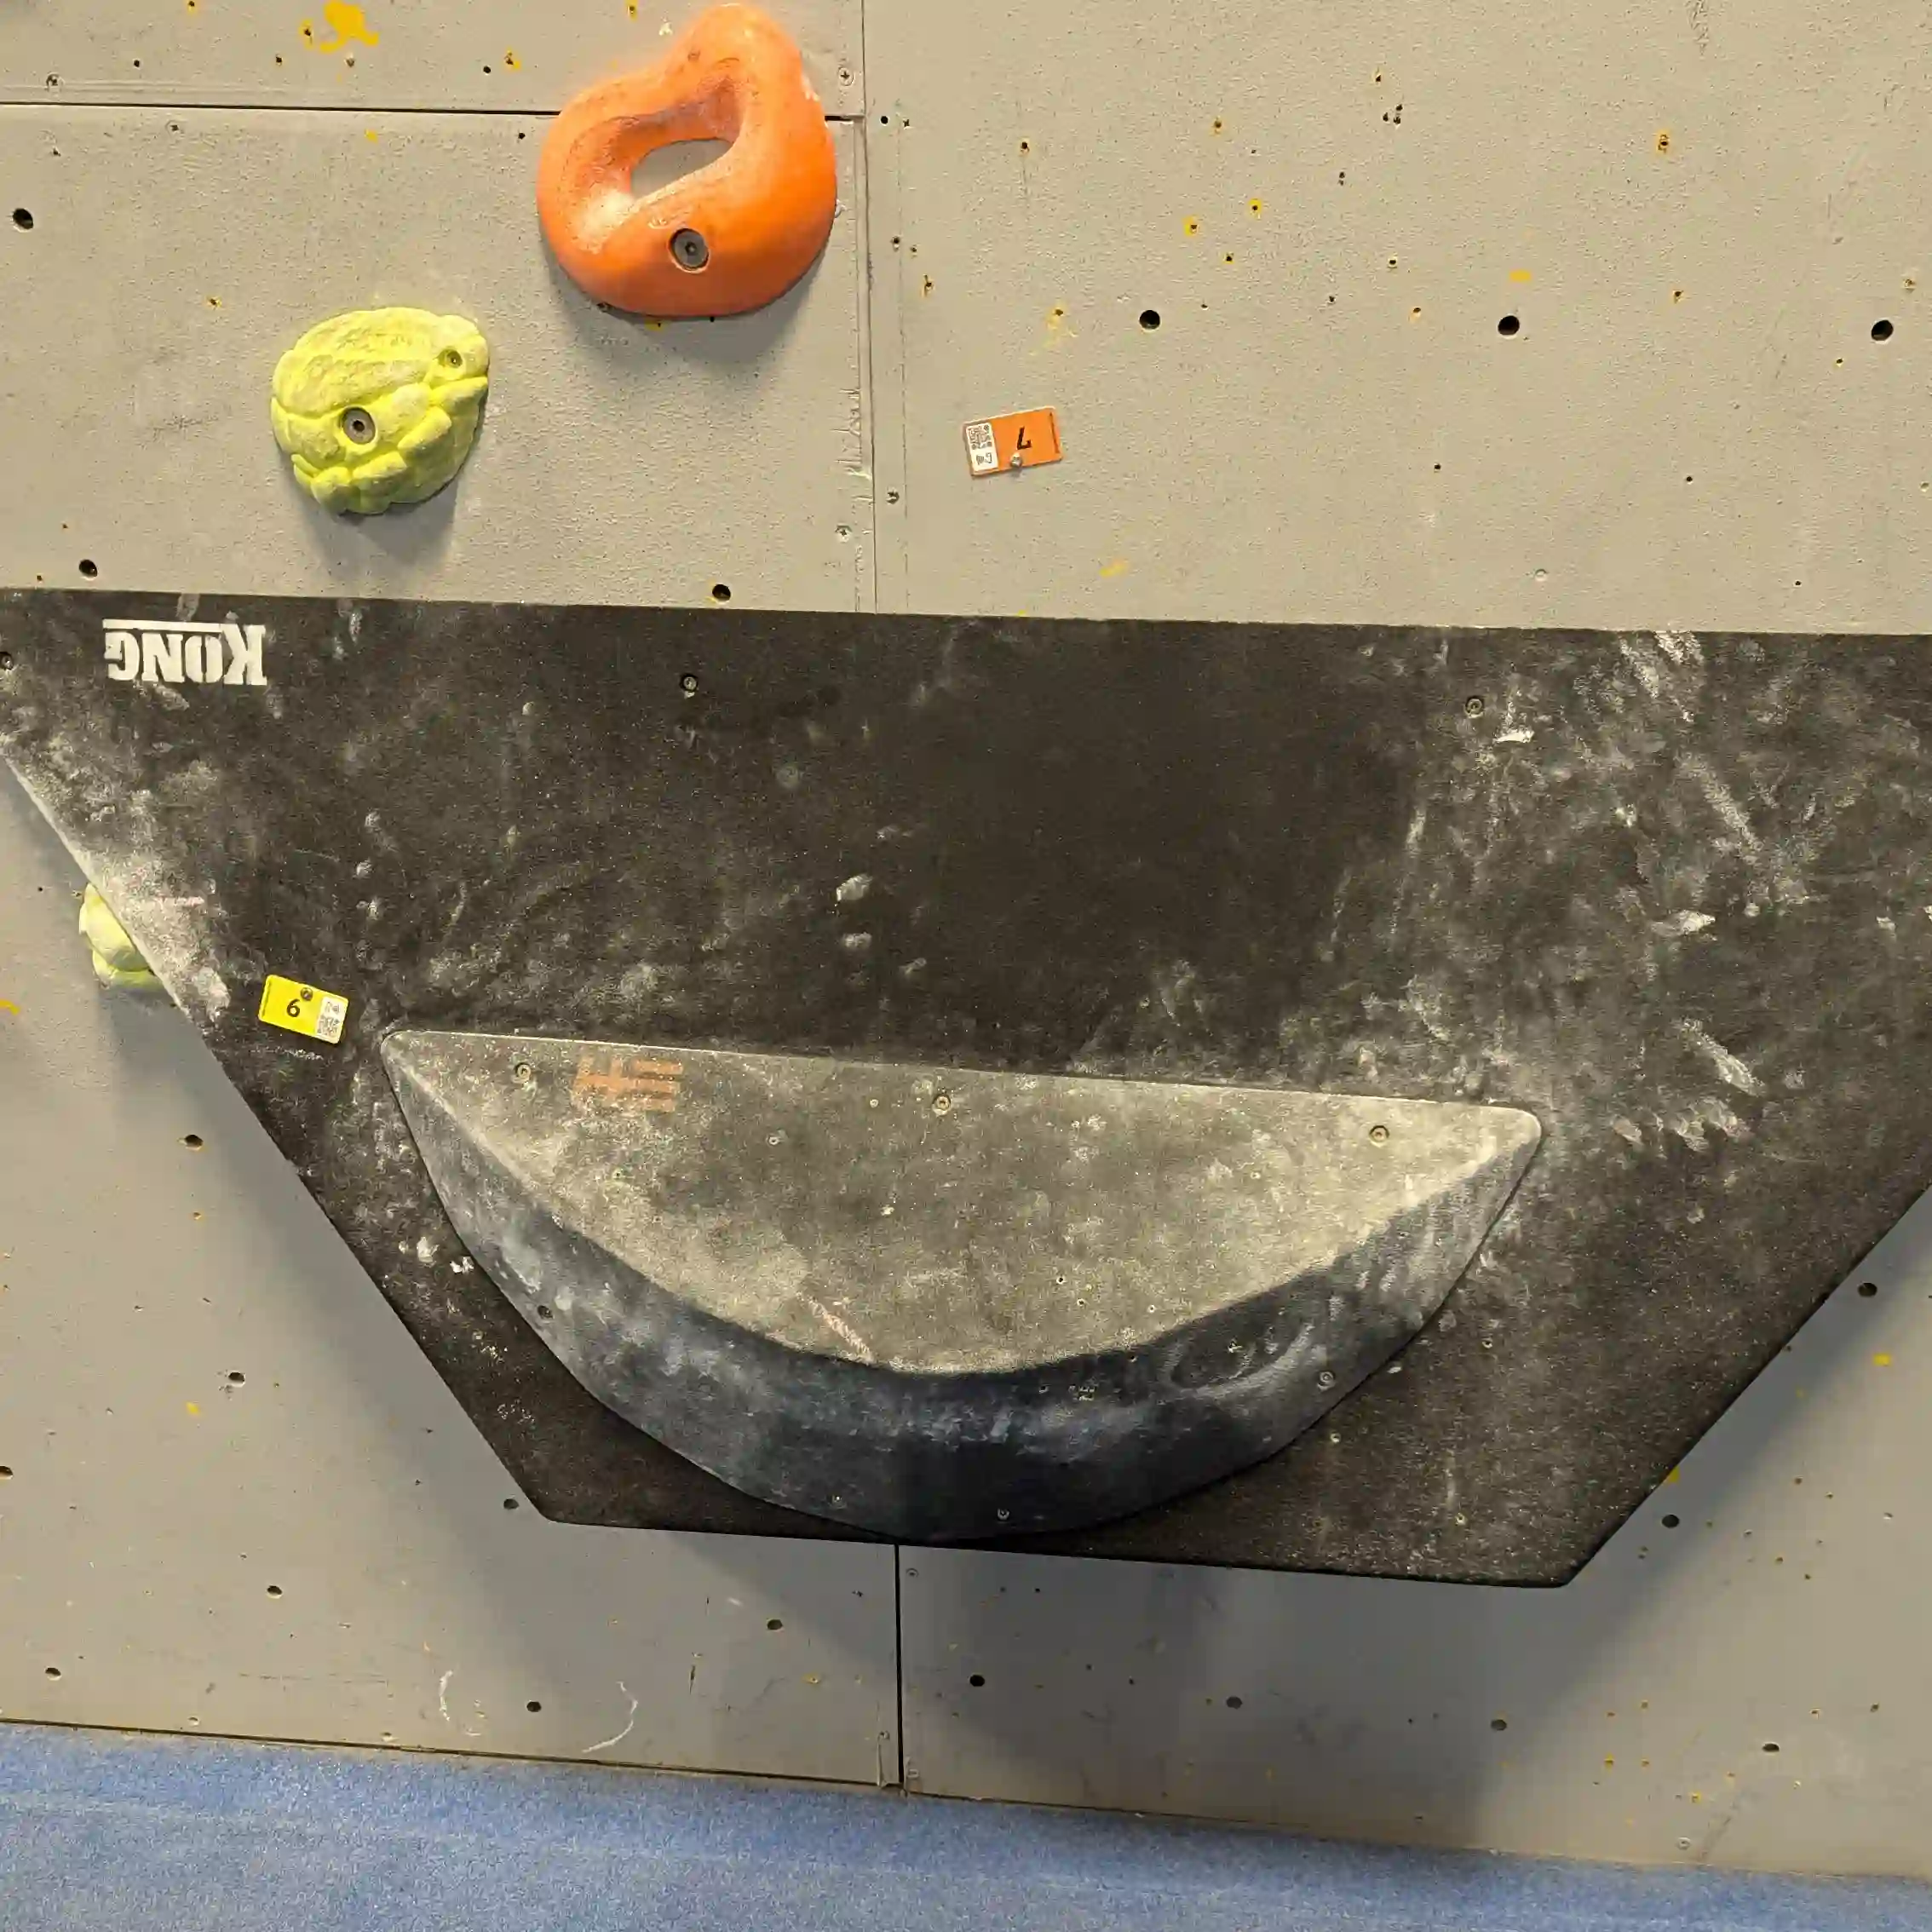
[651, 1085]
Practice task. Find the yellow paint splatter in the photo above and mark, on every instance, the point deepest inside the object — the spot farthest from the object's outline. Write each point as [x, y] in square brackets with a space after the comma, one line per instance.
[372, 136]
[1663, 140]
[346, 18]
[1191, 226]
[1519, 275]
[1117, 568]
[194, 1408]
[1882, 1362]
[511, 61]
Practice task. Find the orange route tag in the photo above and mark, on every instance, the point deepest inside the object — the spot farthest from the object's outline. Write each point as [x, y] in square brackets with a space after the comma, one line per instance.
[1018, 441]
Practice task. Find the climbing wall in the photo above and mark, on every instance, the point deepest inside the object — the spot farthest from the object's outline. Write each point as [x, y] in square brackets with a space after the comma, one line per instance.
[1355, 319]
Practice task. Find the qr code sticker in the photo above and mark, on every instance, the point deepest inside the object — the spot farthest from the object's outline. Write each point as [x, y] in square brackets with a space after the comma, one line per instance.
[980, 450]
[329, 1020]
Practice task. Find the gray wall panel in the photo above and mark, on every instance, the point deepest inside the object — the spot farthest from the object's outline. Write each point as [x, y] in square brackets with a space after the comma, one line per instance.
[1694, 426]
[490, 53]
[1744, 1686]
[174, 255]
[239, 1500]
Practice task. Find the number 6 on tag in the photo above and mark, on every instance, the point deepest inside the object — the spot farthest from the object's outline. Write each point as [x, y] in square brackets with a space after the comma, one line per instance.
[1018, 441]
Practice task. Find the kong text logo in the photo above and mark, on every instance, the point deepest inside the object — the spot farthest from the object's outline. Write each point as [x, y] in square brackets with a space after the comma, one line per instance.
[183, 654]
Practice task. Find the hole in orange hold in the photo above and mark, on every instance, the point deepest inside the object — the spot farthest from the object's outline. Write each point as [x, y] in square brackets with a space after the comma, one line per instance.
[673, 162]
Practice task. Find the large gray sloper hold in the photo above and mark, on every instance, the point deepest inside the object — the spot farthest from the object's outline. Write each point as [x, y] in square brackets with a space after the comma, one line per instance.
[938, 1303]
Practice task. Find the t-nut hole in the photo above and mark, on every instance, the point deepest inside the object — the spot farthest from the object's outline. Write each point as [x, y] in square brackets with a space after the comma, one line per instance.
[689, 249]
[359, 426]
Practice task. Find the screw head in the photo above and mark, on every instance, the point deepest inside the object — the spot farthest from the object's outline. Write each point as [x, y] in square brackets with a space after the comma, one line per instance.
[1473, 707]
[689, 249]
[6, 660]
[1016, 462]
[523, 1072]
[1325, 1379]
[942, 1103]
[688, 685]
[1378, 1134]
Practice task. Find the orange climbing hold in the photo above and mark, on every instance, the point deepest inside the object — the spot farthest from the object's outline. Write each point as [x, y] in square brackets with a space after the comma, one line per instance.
[730, 236]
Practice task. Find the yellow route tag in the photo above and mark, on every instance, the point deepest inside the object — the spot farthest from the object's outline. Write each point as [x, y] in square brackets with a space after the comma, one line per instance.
[297, 1008]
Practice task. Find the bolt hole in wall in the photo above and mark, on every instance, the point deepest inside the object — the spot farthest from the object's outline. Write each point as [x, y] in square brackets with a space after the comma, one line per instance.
[1509, 325]
[88, 567]
[721, 593]
[194, 1141]
[1881, 331]
[23, 217]
[1150, 317]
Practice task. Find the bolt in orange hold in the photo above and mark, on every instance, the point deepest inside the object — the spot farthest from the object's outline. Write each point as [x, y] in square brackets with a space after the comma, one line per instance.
[730, 236]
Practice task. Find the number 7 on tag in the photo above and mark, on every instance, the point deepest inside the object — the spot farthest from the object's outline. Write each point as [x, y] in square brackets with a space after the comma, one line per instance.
[1018, 441]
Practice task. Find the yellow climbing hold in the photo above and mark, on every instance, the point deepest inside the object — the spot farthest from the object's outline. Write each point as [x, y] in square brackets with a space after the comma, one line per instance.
[117, 959]
[348, 23]
[381, 405]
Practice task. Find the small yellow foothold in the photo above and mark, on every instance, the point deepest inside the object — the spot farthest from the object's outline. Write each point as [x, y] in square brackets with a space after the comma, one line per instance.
[1674, 1474]
[194, 1408]
[511, 61]
[372, 135]
[1882, 1362]
[1663, 140]
[1519, 275]
[348, 23]
[1254, 207]
[1191, 226]
[630, 7]
[1117, 568]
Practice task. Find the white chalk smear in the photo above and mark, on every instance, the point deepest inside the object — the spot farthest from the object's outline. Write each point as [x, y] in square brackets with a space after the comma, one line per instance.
[630, 1724]
[1730, 1069]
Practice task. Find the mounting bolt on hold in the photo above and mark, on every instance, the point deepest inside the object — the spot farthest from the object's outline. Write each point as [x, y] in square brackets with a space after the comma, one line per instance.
[689, 249]
[1378, 1134]
[1325, 1379]
[688, 685]
[1473, 707]
[523, 1072]
[942, 1103]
